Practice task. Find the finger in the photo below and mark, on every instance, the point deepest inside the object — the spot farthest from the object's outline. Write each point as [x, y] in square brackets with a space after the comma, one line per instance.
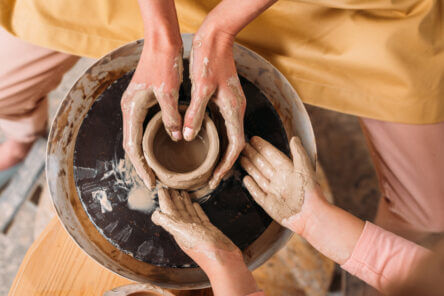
[179, 203]
[189, 206]
[249, 167]
[200, 213]
[300, 157]
[168, 101]
[165, 221]
[275, 157]
[159, 218]
[135, 104]
[234, 148]
[201, 93]
[166, 203]
[176, 227]
[259, 161]
[256, 192]
[231, 105]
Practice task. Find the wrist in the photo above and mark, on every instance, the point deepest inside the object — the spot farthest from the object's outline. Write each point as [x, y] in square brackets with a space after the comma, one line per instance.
[231, 276]
[160, 23]
[163, 39]
[221, 261]
[211, 32]
[304, 222]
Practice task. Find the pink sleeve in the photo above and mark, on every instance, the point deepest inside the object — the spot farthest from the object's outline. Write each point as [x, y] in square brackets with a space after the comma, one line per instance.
[381, 258]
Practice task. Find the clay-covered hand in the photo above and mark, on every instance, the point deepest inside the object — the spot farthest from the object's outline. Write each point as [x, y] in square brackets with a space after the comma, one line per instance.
[276, 183]
[156, 80]
[192, 229]
[214, 76]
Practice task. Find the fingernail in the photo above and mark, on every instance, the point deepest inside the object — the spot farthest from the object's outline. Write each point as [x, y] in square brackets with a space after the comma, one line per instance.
[188, 133]
[177, 136]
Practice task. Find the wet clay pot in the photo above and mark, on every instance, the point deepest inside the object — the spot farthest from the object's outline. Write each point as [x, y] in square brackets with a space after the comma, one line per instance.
[64, 134]
[182, 164]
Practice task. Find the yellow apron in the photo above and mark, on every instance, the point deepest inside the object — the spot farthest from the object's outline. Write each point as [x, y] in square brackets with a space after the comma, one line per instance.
[381, 59]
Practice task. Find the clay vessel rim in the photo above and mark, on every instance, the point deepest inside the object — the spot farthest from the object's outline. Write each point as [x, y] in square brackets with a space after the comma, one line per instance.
[207, 165]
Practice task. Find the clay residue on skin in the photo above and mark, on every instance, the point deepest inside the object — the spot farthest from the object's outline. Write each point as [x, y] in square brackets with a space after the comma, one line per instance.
[234, 84]
[197, 41]
[189, 225]
[135, 104]
[136, 101]
[232, 107]
[178, 66]
[134, 87]
[277, 183]
[205, 69]
[169, 111]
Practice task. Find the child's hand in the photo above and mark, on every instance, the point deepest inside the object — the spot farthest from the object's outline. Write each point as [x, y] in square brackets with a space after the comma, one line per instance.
[192, 229]
[215, 253]
[276, 183]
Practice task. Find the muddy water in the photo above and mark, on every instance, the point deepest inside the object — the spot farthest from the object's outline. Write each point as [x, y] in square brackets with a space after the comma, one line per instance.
[100, 166]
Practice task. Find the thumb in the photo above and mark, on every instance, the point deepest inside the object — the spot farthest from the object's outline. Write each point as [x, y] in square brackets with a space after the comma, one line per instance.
[300, 157]
[163, 220]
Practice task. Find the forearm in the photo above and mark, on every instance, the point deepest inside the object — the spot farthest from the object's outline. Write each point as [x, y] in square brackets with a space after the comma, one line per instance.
[231, 16]
[383, 259]
[231, 277]
[331, 230]
[160, 21]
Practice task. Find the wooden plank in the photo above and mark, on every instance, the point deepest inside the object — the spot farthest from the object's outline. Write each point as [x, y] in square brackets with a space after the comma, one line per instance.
[54, 265]
[22, 184]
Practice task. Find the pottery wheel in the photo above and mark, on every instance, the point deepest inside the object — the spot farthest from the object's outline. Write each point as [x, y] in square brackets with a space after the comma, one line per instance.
[103, 181]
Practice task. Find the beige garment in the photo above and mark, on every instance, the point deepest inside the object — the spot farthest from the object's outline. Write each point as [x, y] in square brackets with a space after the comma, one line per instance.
[27, 74]
[409, 160]
[379, 59]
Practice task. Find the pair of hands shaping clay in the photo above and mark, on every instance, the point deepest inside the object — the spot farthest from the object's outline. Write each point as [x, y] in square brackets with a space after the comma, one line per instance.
[278, 184]
[212, 77]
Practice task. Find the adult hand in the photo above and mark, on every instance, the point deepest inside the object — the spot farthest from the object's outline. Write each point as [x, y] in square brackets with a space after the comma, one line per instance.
[276, 183]
[157, 79]
[214, 76]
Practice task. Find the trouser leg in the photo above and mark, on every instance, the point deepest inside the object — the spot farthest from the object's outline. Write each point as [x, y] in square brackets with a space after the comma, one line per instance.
[27, 74]
[409, 160]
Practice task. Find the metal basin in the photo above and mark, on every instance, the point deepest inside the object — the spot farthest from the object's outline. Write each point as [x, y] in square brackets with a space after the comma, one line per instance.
[62, 140]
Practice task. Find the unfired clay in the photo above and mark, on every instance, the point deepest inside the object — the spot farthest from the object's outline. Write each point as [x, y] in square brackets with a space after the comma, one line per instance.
[181, 165]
